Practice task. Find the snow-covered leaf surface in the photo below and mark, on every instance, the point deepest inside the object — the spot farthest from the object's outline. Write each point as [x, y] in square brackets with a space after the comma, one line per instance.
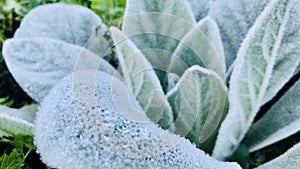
[156, 27]
[235, 18]
[281, 121]
[251, 75]
[38, 63]
[198, 101]
[85, 129]
[288, 160]
[202, 45]
[141, 78]
[14, 121]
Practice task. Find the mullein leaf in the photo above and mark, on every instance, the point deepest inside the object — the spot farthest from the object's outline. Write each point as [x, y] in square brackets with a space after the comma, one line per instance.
[156, 27]
[281, 121]
[140, 76]
[199, 103]
[83, 125]
[14, 121]
[287, 60]
[69, 23]
[202, 45]
[235, 18]
[251, 75]
[200, 8]
[288, 160]
[38, 63]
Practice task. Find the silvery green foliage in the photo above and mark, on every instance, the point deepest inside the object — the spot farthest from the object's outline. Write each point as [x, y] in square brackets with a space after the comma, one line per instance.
[289, 159]
[235, 18]
[139, 144]
[32, 108]
[152, 27]
[287, 59]
[254, 69]
[172, 81]
[281, 121]
[70, 23]
[200, 7]
[14, 121]
[47, 47]
[202, 45]
[140, 76]
[198, 101]
[38, 63]
[92, 120]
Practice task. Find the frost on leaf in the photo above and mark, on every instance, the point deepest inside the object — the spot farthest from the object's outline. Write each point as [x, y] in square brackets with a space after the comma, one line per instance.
[288, 160]
[156, 27]
[202, 45]
[70, 23]
[234, 18]
[251, 75]
[82, 124]
[200, 8]
[199, 104]
[287, 60]
[142, 80]
[281, 121]
[38, 63]
[14, 121]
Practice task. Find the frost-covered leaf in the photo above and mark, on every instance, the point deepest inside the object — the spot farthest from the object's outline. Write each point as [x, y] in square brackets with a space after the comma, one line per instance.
[70, 23]
[100, 42]
[38, 63]
[281, 121]
[251, 75]
[172, 80]
[14, 121]
[287, 59]
[200, 8]
[198, 101]
[142, 80]
[30, 108]
[97, 135]
[234, 18]
[288, 160]
[156, 27]
[202, 45]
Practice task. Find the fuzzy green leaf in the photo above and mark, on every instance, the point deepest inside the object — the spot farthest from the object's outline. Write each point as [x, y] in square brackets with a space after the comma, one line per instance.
[70, 23]
[235, 18]
[251, 75]
[38, 63]
[172, 80]
[198, 101]
[288, 160]
[14, 121]
[30, 108]
[202, 45]
[156, 27]
[85, 130]
[200, 7]
[281, 121]
[142, 80]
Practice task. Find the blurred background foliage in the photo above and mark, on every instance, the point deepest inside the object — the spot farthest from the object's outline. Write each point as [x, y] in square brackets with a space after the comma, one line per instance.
[16, 151]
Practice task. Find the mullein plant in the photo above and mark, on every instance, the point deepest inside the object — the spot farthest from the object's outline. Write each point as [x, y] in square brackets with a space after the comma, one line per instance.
[184, 92]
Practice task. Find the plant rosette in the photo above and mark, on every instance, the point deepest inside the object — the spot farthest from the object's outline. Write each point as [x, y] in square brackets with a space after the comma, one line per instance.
[183, 92]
